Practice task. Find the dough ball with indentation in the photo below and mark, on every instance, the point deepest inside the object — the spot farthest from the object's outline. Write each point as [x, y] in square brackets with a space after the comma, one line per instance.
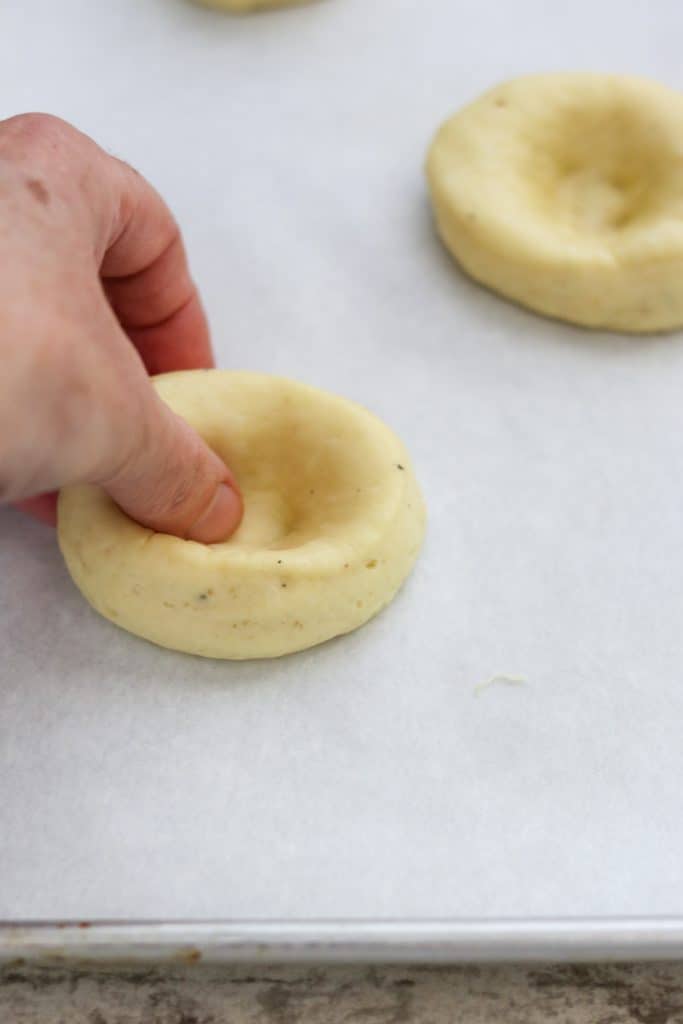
[565, 193]
[244, 6]
[332, 526]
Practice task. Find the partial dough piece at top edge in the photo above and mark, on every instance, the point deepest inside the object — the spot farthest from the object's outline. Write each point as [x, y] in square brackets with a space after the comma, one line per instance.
[248, 6]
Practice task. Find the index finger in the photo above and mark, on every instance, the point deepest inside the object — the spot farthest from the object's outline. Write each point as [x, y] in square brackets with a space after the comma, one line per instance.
[146, 278]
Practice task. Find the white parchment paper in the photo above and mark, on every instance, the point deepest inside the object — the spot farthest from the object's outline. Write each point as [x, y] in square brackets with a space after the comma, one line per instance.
[370, 777]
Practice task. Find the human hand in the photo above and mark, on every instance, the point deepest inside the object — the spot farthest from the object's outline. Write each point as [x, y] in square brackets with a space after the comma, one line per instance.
[95, 293]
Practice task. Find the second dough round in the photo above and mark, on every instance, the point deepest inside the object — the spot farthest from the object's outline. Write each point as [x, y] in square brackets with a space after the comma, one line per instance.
[564, 192]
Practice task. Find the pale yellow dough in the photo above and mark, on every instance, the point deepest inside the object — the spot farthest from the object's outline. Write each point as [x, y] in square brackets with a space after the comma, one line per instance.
[242, 6]
[564, 192]
[333, 523]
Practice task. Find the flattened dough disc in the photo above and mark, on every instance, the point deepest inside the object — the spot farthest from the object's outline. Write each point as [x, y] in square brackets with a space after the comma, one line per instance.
[564, 192]
[333, 523]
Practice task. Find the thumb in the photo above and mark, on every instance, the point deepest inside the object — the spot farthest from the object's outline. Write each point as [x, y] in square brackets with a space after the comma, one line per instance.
[173, 482]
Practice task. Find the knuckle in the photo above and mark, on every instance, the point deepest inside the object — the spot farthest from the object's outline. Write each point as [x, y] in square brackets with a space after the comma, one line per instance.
[36, 130]
[47, 149]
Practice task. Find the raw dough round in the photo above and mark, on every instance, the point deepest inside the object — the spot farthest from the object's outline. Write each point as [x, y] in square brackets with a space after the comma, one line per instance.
[565, 193]
[242, 6]
[332, 526]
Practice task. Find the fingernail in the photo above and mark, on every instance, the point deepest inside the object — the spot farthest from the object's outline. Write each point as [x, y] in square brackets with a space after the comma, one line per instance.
[220, 519]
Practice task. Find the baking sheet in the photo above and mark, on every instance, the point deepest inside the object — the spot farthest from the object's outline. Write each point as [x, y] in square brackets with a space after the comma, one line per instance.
[373, 778]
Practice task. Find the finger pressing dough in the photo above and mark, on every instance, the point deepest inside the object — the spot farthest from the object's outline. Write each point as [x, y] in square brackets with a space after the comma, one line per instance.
[242, 6]
[565, 193]
[332, 526]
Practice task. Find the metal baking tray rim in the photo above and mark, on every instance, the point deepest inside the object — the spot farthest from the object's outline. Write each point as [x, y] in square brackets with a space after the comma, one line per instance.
[461, 941]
